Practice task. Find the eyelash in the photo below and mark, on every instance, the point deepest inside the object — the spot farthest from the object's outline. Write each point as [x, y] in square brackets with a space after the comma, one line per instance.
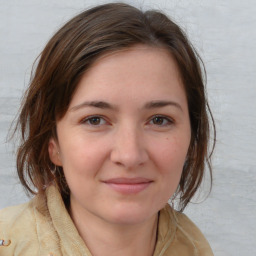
[88, 119]
[166, 120]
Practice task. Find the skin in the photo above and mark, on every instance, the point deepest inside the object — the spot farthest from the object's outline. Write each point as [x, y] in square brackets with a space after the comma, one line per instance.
[122, 145]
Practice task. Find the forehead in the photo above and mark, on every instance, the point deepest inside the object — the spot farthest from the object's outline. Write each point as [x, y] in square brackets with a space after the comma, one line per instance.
[131, 73]
[151, 54]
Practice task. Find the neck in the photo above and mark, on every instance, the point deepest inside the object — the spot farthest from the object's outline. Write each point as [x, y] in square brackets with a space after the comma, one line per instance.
[105, 238]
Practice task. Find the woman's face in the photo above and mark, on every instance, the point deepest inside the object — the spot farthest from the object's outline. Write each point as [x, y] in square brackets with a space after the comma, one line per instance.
[124, 139]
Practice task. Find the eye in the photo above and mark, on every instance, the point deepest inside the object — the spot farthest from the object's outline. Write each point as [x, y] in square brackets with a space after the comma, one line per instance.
[160, 121]
[94, 121]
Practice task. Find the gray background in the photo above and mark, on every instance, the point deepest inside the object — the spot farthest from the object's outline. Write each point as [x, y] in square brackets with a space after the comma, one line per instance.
[224, 32]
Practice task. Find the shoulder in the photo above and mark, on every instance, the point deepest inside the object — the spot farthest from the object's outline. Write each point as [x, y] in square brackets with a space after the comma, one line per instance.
[189, 232]
[15, 217]
[12, 214]
[26, 228]
[178, 235]
[17, 229]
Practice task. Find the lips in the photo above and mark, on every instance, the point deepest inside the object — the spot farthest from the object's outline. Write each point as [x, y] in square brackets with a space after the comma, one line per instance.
[128, 185]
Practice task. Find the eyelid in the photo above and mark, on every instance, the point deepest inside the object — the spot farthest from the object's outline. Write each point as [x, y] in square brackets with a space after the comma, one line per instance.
[169, 120]
[87, 118]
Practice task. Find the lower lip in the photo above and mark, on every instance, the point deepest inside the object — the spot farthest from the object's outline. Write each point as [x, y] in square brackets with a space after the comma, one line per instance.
[129, 188]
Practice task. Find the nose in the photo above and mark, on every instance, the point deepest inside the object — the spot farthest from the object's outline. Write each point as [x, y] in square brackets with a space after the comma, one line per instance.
[129, 149]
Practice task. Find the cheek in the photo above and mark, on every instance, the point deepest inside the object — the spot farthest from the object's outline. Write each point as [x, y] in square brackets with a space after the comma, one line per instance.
[171, 156]
[172, 153]
[81, 157]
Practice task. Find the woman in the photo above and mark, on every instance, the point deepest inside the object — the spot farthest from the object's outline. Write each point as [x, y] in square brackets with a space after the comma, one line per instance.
[114, 124]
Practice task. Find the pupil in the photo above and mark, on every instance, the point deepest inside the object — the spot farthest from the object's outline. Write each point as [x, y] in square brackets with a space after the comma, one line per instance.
[158, 120]
[95, 120]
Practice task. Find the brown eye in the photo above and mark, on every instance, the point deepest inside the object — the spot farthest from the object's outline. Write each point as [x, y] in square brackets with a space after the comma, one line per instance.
[160, 121]
[94, 121]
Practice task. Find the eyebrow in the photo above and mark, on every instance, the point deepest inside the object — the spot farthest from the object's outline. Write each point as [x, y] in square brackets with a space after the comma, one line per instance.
[161, 103]
[96, 104]
[105, 105]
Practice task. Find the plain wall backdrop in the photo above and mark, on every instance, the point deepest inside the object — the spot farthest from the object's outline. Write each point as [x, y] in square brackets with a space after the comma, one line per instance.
[224, 33]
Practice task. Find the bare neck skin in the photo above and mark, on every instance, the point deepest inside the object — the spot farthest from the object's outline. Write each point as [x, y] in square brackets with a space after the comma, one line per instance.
[103, 238]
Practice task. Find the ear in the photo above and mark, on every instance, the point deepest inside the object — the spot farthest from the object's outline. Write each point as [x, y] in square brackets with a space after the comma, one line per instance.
[54, 154]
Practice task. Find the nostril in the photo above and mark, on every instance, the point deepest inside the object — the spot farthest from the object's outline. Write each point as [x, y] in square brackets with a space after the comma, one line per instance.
[128, 149]
[118, 163]
[130, 160]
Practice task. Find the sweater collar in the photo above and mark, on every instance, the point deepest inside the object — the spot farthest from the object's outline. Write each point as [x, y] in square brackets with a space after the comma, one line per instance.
[70, 240]
[73, 244]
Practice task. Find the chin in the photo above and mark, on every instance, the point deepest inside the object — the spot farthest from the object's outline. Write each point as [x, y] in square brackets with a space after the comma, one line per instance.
[130, 215]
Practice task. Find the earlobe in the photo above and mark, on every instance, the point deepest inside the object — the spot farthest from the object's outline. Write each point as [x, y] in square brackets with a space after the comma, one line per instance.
[53, 150]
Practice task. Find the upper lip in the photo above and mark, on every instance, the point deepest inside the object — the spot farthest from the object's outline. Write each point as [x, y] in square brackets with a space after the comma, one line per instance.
[122, 180]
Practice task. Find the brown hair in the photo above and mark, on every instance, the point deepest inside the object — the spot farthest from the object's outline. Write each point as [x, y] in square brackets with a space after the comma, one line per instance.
[67, 56]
